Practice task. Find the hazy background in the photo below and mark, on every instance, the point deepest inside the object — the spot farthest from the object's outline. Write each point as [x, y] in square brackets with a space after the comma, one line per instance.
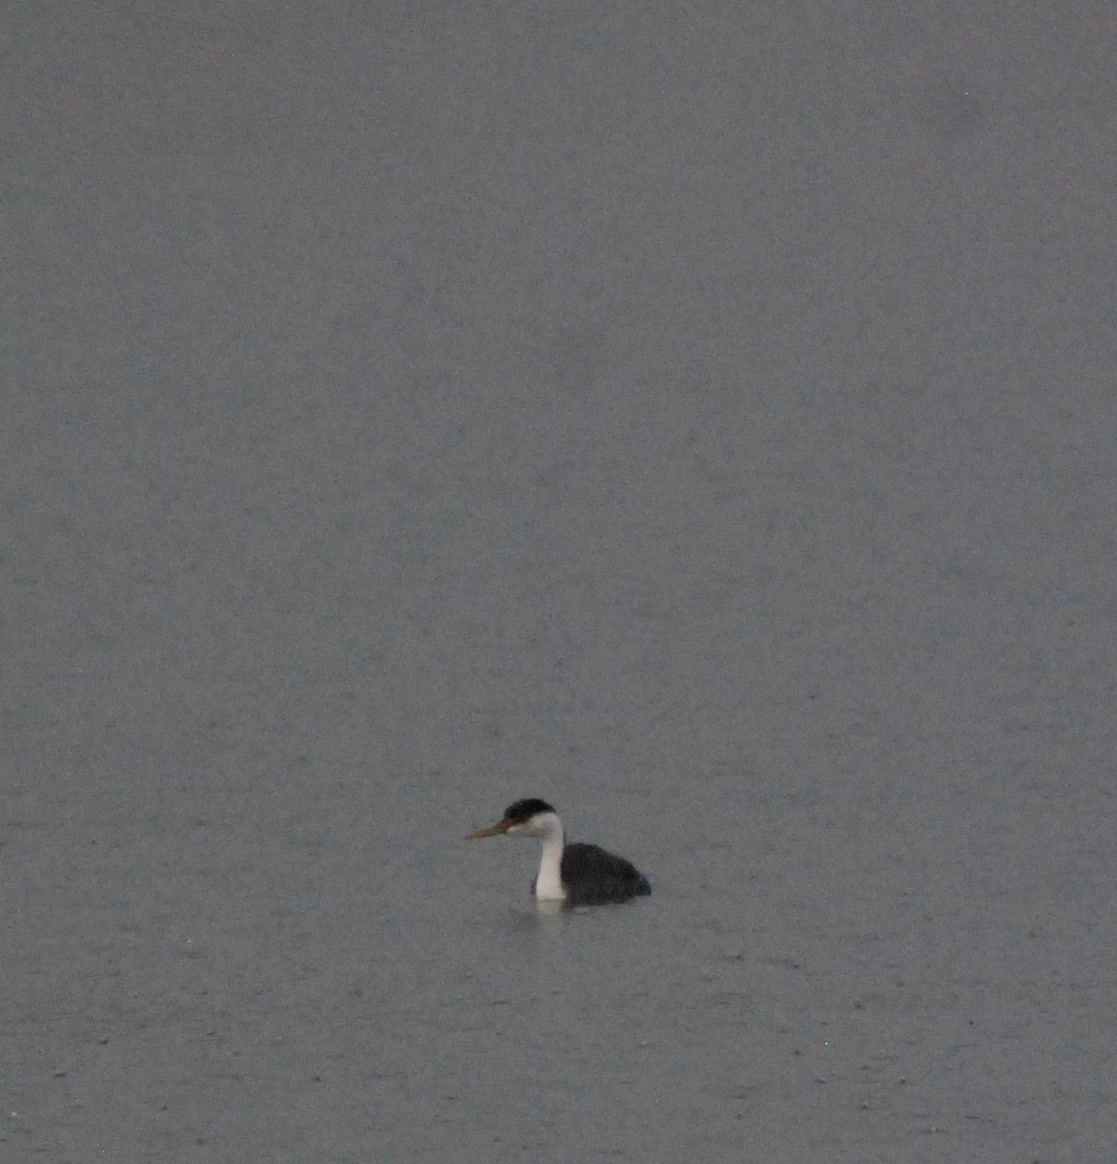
[702, 416]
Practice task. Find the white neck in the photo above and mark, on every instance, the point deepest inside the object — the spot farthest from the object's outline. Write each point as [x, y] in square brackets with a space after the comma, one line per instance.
[548, 885]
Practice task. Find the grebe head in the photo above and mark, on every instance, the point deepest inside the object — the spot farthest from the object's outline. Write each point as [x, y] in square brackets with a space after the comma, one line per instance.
[524, 818]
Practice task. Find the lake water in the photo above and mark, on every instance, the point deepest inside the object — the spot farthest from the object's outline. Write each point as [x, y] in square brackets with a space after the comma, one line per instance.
[704, 420]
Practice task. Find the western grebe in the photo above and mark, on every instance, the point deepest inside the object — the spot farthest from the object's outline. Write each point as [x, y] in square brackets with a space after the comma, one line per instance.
[575, 874]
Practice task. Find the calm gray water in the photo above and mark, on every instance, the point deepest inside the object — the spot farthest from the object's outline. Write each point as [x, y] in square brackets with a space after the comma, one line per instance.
[701, 418]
